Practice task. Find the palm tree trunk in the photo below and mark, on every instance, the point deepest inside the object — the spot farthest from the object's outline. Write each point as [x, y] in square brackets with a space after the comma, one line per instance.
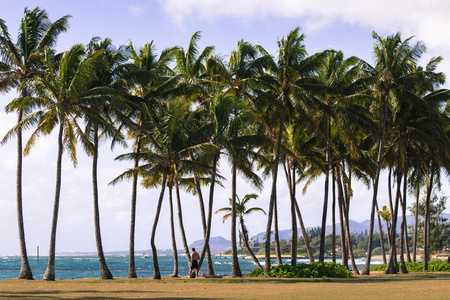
[235, 269]
[209, 265]
[426, 221]
[50, 270]
[304, 233]
[380, 227]
[131, 260]
[211, 201]
[172, 233]
[325, 205]
[342, 226]
[293, 221]
[25, 270]
[366, 270]
[104, 271]
[290, 180]
[273, 196]
[346, 229]
[181, 224]
[276, 235]
[392, 267]
[156, 273]
[403, 239]
[416, 220]
[246, 243]
[333, 218]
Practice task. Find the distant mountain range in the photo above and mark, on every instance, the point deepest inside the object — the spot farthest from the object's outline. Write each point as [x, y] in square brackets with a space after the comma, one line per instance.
[355, 227]
[219, 244]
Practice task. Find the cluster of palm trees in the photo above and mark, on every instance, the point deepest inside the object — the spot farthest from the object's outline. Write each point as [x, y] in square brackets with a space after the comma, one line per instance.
[185, 110]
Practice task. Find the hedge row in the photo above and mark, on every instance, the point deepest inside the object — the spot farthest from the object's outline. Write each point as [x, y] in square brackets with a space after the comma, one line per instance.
[314, 270]
[433, 266]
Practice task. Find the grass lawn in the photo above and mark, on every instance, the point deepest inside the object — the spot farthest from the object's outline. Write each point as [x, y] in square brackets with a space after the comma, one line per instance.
[375, 286]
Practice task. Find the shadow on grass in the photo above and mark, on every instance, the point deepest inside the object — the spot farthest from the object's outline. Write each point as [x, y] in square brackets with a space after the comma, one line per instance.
[78, 295]
[357, 279]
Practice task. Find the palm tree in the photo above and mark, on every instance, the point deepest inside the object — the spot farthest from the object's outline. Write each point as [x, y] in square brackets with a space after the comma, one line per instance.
[292, 85]
[239, 77]
[19, 62]
[58, 90]
[339, 120]
[144, 76]
[242, 210]
[300, 147]
[395, 62]
[190, 67]
[99, 108]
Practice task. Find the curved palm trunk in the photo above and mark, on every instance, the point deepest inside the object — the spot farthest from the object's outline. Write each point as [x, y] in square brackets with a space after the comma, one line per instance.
[276, 235]
[325, 205]
[25, 270]
[392, 266]
[403, 235]
[131, 260]
[104, 271]
[181, 224]
[345, 208]
[380, 227]
[273, 197]
[235, 269]
[172, 234]
[343, 233]
[304, 233]
[209, 265]
[366, 270]
[247, 244]
[302, 226]
[211, 200]
[156, 272]
[290, 179]
[50, 270]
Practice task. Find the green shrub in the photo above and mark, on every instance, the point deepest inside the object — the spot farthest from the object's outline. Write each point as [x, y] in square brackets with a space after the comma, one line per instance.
[314, 270]
[433, 266]
[359, 252]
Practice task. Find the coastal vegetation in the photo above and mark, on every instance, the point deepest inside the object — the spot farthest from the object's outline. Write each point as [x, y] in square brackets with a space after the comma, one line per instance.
[433, 266]
[185, 110]
[313, 270]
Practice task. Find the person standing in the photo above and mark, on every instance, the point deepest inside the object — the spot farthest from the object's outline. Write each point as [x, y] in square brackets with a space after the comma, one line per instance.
[195, 257]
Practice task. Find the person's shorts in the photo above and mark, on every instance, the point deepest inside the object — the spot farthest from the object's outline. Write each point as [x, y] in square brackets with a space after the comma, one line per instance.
[194, 264]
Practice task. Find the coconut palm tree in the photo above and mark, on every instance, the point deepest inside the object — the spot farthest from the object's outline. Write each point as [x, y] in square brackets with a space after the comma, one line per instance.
[21, 61]
[98, 109]
[300, 152]
[144, 76]
[242, 210]
[58, 91]
[239, 77]
[292, 84]
[190, 67]
[395, 62]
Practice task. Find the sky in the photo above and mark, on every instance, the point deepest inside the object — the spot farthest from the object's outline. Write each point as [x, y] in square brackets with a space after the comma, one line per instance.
[342, 25]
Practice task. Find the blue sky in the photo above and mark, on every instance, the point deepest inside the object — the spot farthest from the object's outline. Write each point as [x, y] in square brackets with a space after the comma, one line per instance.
[343, 25]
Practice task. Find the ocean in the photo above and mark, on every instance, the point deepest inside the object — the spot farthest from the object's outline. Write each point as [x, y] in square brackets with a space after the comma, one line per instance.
[86, 266]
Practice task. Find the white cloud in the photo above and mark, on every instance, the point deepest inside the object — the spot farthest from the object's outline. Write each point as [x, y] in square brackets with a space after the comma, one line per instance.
[137, 9]
[426, 20]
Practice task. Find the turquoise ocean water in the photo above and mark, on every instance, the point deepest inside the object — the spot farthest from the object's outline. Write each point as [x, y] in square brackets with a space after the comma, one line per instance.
[75, 267]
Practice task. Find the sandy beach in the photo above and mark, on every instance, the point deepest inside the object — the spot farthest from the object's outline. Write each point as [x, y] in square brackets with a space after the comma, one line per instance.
[410, 286]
